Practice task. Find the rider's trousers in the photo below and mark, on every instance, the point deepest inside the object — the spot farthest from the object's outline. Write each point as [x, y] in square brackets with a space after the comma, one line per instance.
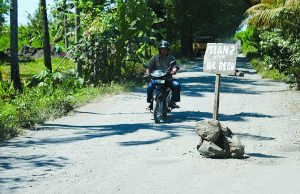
[175, 86]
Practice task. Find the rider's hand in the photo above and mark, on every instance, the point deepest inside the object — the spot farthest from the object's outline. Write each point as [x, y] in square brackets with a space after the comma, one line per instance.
[147, 72]
[173, 72]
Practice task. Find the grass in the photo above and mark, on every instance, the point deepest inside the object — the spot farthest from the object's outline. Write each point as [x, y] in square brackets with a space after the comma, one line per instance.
[35, 106]
[261, 68]
[38, 104]
[28, 69]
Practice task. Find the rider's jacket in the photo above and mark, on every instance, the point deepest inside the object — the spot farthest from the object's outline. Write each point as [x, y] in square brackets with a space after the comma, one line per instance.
[158, 62]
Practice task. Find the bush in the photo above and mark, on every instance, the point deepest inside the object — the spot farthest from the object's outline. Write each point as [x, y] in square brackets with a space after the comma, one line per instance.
[262, 68]
[53, 96]
[281, 53]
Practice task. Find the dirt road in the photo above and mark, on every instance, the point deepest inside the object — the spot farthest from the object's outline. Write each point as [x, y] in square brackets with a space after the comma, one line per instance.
[113, 146]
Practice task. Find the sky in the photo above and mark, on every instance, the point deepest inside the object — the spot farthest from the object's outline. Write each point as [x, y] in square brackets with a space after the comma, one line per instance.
[29, 6]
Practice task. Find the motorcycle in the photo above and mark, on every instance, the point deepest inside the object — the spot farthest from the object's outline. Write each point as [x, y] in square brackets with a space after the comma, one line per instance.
[162, 94]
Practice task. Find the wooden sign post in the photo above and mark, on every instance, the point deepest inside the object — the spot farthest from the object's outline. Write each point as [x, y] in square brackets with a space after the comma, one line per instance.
[217, 97]
[219, 58]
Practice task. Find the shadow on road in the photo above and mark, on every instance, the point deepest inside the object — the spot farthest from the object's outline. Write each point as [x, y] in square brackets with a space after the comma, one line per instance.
[28, 163]
[34, 160]
[259, 155]
[184, 116]
[254, 137]
[87, 132]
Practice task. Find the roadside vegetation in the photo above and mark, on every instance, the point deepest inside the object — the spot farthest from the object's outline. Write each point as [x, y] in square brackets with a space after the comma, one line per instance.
[272, 40]
[46, 96]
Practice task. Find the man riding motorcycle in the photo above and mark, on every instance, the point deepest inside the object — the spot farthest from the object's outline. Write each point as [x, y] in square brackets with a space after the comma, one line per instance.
[162, 61]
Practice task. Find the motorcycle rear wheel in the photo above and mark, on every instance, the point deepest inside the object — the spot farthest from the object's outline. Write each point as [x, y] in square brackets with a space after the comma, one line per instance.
[158, 110]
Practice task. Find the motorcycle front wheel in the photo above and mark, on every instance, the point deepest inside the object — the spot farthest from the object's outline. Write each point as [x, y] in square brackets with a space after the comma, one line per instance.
[157, 110]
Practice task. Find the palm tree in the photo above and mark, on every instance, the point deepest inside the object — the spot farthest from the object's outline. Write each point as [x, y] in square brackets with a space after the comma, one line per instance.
[35, 27]
[77, 34]
[46, 38]
[14, 60]
[280, 14]
[65, 24]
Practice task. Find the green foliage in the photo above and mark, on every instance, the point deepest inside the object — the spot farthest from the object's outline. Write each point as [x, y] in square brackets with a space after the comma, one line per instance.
[96, 50]
[46, 95]
[276, 14]
[8, 115]
[3, 11]
[4, 38]
[32, 34]
[52, 97]
[262, 68]
[282, 53]
[275, 50]
[279, 41]
[30, 68]
[32, 107]
[6, 91]
[67, 82]
[37, 105]
[63, 19]
[24, 38]
[187, 20]
[249, 39]
[113, 39]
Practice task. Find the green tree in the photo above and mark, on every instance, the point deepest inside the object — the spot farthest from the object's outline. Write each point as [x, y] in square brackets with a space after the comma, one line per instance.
[280, 14]
[132, 29]
[116, 38]
[278, 22]
[46, 37]
[3, 11]
[14, 60]
[62, 20]
[184, 15]
[33, 32]
[194, 18]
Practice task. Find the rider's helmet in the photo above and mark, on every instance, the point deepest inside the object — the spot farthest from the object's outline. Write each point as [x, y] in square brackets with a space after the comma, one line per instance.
[163, 44]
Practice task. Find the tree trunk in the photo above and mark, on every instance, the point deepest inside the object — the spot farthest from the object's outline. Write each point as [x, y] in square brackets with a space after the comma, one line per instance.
[187, 41]
[46, 38]
[77, 34]
[65, 24]
[14, 60]
[184, 16]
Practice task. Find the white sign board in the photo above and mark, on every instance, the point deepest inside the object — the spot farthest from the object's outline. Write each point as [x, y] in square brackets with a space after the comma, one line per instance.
[220, 58]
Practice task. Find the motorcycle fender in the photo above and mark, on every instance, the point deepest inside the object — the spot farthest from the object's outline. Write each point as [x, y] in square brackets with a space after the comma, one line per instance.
[156, 94]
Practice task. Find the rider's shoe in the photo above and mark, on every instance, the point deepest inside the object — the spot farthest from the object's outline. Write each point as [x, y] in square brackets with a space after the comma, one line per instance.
[150, 107]
[174, 105]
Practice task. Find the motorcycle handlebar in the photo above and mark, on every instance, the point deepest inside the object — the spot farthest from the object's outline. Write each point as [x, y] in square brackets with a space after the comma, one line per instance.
[169, 70]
